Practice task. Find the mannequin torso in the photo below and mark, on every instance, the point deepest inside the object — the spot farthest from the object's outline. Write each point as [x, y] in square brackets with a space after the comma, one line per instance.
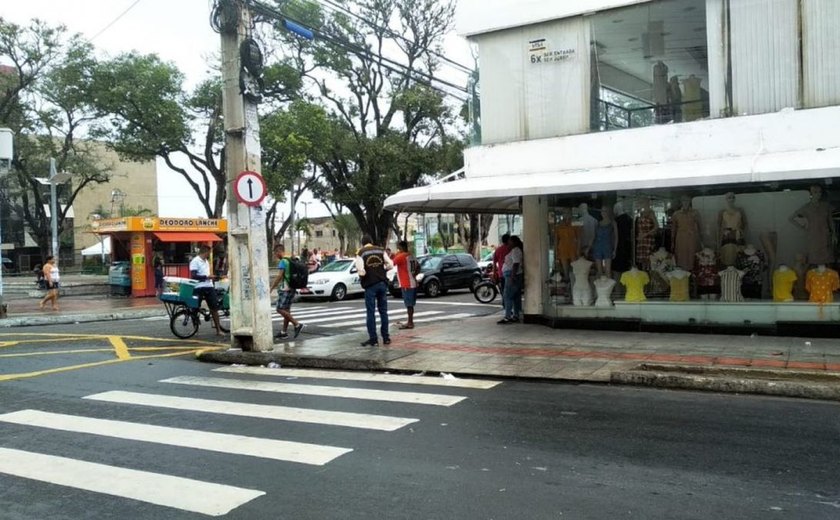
[604, 288]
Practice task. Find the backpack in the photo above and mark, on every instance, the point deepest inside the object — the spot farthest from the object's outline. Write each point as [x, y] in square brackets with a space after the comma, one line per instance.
[298, 274]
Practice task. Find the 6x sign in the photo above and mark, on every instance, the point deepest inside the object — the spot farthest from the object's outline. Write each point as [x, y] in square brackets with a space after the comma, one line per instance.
[249, 188]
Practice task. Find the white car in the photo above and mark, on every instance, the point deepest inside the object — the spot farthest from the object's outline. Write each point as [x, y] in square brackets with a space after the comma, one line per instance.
[335, 281]
[486, 262]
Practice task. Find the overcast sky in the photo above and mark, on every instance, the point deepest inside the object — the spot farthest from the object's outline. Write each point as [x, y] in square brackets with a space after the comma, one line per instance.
[178, 31]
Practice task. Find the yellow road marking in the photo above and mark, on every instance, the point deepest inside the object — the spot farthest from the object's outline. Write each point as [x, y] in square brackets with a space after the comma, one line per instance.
[120, 348]
[73, 337]
[27, 375]
[54, 352]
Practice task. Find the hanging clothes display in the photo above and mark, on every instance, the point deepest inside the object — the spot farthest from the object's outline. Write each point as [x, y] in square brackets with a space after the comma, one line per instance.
[686, 236]
[645, 239]
[753, 263]
[730, 285]
[821, 283]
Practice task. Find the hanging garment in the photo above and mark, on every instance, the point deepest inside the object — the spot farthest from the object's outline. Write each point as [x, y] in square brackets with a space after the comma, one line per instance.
[635, 282]
[566, 238]
[730, 285]
[624, 251]
[783, 280]
[821, 285]
[645, 241]
[686, 237]
[602, 246]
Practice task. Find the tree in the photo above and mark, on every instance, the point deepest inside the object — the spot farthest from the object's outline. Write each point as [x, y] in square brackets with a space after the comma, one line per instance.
[46, 100]
[389, 128]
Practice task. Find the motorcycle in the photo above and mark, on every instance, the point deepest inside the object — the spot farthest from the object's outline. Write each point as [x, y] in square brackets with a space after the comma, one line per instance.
[488, 288]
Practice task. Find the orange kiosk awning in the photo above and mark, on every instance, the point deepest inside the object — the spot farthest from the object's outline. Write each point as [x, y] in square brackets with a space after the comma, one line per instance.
[188, 237]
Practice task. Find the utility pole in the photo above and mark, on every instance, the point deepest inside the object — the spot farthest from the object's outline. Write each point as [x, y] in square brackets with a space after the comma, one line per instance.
[250, 302]
[6, 154]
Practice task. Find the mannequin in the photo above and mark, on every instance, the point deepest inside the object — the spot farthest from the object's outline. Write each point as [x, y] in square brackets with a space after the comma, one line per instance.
[646, 227]
[732, 225]
[817, 224]
[821, 283]
[706, 274]
[678, 279]
[588, 231]
[783, 280]
[603, 288]
[566, 242]
[660, 91]
[624, 252]
[685, 235]
[692, 92]
[581, 288]
[661, 262]
[635, 281]
[604, 243]
[675, 99]
[753, 263]
[730, 285]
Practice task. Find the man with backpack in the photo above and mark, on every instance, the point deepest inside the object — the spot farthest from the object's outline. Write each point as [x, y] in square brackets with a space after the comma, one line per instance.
[372, 262]
[288, 279]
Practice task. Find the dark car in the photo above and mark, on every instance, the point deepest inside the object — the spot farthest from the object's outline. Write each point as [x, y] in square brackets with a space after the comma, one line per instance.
[440, 273]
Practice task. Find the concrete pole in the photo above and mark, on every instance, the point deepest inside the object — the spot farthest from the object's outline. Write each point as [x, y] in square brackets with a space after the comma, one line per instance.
[250, 301]
[54, 212]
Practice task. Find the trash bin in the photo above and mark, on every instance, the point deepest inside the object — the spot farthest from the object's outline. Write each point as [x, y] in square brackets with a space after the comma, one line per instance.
[119, 278]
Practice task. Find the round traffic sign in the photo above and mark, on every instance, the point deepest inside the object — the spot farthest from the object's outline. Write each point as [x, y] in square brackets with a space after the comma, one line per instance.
[250, 188]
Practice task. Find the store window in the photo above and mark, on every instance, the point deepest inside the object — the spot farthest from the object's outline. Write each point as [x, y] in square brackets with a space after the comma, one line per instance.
[649, 65]
[693, 249]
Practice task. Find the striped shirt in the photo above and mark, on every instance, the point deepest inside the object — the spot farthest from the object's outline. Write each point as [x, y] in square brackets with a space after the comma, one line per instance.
[730, 285]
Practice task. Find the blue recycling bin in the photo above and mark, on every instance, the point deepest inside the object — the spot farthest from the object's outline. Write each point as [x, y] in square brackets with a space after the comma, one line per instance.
[119, 278]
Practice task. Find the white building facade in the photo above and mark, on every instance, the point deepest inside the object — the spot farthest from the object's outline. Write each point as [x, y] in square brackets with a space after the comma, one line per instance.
[705, 130]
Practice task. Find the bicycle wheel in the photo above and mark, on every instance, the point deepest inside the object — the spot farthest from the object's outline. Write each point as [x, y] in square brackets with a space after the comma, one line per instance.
[184, 323]
[485, 292]
[224, 320]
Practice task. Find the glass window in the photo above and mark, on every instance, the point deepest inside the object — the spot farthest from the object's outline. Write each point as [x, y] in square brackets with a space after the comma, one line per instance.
[650, 65]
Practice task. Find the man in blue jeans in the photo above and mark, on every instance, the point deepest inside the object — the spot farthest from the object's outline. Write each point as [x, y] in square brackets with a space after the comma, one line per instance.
[372, 262]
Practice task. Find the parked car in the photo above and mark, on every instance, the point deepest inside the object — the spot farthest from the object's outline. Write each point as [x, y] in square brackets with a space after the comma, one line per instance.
[335, 280]
[441, 273]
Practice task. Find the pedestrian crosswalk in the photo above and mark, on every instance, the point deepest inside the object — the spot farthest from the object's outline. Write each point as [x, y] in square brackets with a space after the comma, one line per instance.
[189, 489]
[353, 318]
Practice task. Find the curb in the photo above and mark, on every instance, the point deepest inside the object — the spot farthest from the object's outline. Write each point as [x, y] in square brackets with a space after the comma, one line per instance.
[238, 357]
[65, 319]
[787, 383]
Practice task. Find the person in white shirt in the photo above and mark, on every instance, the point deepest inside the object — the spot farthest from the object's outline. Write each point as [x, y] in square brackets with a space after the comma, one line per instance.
[51, 278]
[205, 291]
[513, 275]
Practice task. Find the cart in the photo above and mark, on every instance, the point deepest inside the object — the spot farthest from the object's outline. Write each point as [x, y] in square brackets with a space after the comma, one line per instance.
[184, 310]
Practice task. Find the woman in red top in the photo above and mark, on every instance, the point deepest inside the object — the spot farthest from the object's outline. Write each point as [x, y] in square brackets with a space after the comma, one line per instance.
[406, 269]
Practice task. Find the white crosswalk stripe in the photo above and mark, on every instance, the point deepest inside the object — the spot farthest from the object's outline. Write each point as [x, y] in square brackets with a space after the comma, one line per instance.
[391, 317]
[300, 452]
[394, 319]
[164, 490]
[325, 391]
[283, 413]
[359, 376]
[200, 496]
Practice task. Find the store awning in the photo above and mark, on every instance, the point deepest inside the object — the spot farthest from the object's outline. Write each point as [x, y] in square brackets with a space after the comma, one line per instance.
[103, 247]
[501, 193]
[172, 236]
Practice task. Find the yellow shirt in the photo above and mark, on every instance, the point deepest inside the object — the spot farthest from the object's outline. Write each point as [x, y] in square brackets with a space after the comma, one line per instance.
[783, 281]
[679, 288]
[635, 282]
[822, 285]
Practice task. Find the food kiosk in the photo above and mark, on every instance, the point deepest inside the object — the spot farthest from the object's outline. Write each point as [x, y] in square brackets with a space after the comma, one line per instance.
[138, 239]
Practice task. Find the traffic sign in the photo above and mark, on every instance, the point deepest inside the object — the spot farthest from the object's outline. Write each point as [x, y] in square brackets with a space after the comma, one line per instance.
[250, 188]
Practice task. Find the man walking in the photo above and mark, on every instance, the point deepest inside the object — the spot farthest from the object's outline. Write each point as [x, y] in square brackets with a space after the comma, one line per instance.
[406, 271]
[371, 262]
[285, 294]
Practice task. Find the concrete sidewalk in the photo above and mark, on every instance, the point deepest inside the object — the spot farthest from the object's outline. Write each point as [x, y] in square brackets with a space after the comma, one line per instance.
[794, 367]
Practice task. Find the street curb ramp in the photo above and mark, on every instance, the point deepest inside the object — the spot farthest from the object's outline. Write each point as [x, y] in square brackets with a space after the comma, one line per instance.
[787, 383]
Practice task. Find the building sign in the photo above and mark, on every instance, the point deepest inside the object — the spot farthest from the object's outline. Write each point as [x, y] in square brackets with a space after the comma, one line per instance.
[138, 261]
[116, 225]
[540, 51]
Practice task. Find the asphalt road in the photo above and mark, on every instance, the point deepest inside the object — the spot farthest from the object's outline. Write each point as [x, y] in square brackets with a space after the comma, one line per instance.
[78, 444]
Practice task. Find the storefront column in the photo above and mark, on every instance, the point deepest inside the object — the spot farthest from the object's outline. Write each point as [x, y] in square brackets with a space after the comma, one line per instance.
[535, 239]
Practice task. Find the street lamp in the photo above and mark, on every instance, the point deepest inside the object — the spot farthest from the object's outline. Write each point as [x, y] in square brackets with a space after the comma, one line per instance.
[54, 180]
[306, 208]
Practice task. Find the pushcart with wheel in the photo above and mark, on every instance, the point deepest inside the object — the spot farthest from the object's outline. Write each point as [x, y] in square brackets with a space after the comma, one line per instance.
[186, 313]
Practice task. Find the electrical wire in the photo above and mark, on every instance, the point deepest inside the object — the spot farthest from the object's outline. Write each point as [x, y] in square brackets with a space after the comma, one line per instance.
[391, 65]
[115, 20]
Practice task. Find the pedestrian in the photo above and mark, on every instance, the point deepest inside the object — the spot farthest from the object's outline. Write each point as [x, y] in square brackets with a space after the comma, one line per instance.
[204, 290]
[498, 260]
[51, 279]
[157, 264]
[513, 276]
[371, 263]
[285, 294]
[407, 269]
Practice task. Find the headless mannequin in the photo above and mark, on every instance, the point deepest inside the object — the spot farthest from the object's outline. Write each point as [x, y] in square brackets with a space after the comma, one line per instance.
[678, 279]
[730, 285]
[732, 225]
[783, 284]
[589, 224]
[604, 288]
[581, 288]
[818, 226]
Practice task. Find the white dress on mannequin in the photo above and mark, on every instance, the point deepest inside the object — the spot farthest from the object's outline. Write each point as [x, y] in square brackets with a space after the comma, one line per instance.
[581, 288]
